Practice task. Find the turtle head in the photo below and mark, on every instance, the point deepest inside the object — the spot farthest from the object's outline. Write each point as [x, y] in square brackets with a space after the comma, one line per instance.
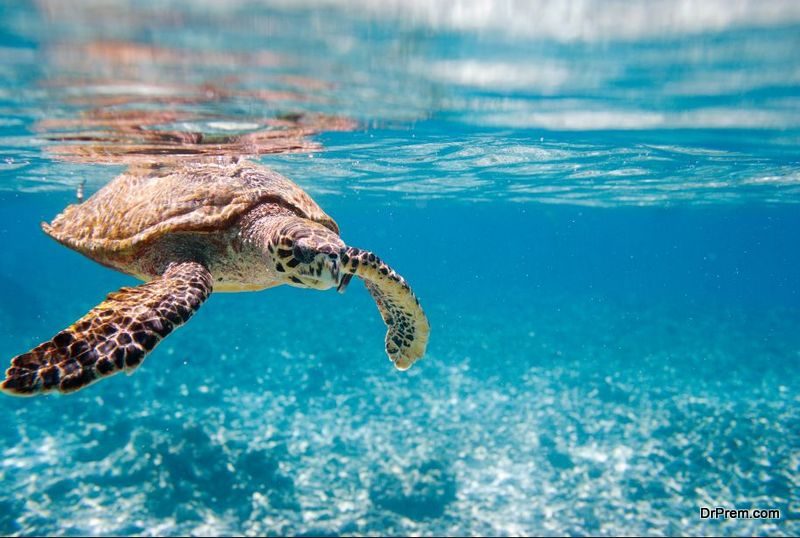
[308, 256]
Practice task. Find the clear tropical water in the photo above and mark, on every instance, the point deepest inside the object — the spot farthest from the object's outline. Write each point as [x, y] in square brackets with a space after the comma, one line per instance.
[597, 203]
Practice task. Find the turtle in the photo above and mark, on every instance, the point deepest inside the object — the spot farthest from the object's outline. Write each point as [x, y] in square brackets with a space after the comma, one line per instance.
[187, 229]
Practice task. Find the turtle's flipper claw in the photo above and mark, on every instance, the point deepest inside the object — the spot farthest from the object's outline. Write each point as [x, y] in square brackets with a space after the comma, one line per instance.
[344, 282]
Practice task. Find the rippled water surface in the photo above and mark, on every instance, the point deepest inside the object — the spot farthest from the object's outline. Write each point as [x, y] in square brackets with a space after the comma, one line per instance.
[596, 203]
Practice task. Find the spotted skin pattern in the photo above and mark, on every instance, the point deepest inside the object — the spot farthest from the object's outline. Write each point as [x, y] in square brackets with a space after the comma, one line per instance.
[307, 254]
[304, 252]
[114, 336]
[407, 326]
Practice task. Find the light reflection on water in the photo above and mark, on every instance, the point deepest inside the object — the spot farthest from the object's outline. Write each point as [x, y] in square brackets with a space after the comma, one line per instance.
[536, 91]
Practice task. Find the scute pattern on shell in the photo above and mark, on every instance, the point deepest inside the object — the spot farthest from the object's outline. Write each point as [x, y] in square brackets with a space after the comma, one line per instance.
[145, 203]
[114, 336]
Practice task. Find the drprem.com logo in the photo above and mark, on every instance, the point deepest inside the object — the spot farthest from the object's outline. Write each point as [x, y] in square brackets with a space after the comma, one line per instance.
[727, 513]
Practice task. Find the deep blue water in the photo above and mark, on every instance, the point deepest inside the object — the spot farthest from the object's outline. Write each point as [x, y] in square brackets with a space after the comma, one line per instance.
[596, 204]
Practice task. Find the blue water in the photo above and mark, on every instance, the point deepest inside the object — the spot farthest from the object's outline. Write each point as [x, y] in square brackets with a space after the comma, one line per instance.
[596, 203]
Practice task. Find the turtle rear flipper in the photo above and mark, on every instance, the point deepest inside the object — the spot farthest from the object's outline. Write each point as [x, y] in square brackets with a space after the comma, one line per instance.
[115, 335]
[407, 326]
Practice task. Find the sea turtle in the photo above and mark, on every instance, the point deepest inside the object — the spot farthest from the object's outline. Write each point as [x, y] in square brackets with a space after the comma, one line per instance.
[188, 229]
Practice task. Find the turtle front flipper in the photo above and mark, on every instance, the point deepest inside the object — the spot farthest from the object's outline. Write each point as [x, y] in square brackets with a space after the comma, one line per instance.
[408, 328]
[115, 335]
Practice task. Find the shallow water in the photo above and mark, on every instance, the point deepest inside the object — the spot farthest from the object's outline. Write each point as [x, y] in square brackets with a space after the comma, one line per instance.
[595, 202]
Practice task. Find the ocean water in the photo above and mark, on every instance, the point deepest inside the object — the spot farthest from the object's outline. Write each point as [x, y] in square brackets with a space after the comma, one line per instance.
[596, 203]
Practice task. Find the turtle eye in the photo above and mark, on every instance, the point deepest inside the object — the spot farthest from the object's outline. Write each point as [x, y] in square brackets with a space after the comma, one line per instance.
[303, 254]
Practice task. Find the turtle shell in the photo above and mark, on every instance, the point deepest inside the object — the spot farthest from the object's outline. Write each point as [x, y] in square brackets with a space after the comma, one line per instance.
[146, 203]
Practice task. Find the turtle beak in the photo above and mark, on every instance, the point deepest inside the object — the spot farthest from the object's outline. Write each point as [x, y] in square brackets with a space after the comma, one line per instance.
[344, 282]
